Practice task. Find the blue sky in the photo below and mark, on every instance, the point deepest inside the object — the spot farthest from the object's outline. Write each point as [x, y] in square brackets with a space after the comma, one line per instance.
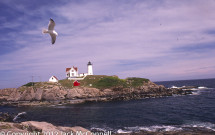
[159, 40]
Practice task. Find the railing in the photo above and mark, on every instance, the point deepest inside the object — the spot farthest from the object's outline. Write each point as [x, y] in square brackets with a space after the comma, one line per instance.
[77, 78]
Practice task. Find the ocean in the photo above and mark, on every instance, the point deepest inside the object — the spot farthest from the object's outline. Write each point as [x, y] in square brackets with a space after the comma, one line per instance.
[149, 114]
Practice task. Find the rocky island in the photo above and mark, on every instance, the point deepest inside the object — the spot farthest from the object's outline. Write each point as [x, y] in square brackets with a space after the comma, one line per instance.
[93, 88]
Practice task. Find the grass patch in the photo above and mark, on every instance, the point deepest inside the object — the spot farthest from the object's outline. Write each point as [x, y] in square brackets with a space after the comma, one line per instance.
[110, 82]
[91, 80]
[21, 89]
[38, 85]
[136, 82]
[103, 81]
[66, 83]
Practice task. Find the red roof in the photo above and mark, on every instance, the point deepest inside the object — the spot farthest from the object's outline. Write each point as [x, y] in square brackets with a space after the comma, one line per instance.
[55, 77]
[76, 69]
[67, 69]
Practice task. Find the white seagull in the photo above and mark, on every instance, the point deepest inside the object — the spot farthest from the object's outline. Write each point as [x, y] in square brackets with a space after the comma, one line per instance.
[51, 30]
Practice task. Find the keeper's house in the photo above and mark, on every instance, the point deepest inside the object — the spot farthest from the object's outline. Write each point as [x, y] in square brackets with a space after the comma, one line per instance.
[72, 73]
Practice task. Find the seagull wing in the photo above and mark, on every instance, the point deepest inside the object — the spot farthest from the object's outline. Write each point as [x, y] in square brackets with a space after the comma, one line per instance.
[51, 24]
[53, 36]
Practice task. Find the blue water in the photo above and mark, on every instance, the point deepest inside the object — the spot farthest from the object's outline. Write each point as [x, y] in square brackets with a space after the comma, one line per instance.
[210, 83]
[166, 113]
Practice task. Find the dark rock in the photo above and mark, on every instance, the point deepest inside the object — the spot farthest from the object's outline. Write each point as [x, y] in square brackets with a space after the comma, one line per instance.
[6, 117]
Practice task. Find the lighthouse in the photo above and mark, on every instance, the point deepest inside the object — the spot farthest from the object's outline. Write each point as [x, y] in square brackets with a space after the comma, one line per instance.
[90, 68]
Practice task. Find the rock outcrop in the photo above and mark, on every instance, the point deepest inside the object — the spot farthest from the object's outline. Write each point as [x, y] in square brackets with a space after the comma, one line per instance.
[6, 117]
[38, 128]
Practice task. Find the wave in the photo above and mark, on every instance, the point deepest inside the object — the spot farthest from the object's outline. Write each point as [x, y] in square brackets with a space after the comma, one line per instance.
[206, 125]
[202, 87]
[105, 129]
[195, 90]
[190, 87]
[160, 128]
[195, 93]
[175, 87]
[120, 131]
[19, 117]
[155, 128]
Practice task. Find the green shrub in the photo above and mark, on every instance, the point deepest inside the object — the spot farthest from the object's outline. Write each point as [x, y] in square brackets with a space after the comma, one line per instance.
[30, 84]
[109, 82]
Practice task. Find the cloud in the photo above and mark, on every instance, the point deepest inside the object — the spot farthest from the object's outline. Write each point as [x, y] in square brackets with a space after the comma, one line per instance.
[159, 40]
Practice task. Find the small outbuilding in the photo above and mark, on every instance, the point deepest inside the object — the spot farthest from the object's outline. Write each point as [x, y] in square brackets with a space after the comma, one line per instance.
[76, 83]
[53, 79]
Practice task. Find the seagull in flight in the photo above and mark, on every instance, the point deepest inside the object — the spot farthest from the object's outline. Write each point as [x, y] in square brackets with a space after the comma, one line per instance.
[51, 30]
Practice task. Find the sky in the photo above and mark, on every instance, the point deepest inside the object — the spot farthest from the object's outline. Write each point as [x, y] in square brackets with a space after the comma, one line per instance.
[156, 39]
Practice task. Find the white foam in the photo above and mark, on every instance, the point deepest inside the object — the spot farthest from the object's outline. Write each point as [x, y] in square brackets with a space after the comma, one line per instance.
[153, 128]
[120, 131]
[202, 87]
[198, 88]
[196, 93]
[174, 87]
[193, 89]
[158, 128]
[101, 129]
[206, 125]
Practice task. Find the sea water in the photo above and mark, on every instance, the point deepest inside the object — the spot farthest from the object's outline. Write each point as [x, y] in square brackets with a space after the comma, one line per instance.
[150, 114]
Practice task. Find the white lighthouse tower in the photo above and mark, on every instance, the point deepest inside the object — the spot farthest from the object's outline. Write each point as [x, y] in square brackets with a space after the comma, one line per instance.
[90, 68]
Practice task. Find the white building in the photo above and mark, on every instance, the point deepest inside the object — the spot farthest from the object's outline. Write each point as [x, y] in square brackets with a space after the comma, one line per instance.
[53, 79]
[72, 72]
[90, 68]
